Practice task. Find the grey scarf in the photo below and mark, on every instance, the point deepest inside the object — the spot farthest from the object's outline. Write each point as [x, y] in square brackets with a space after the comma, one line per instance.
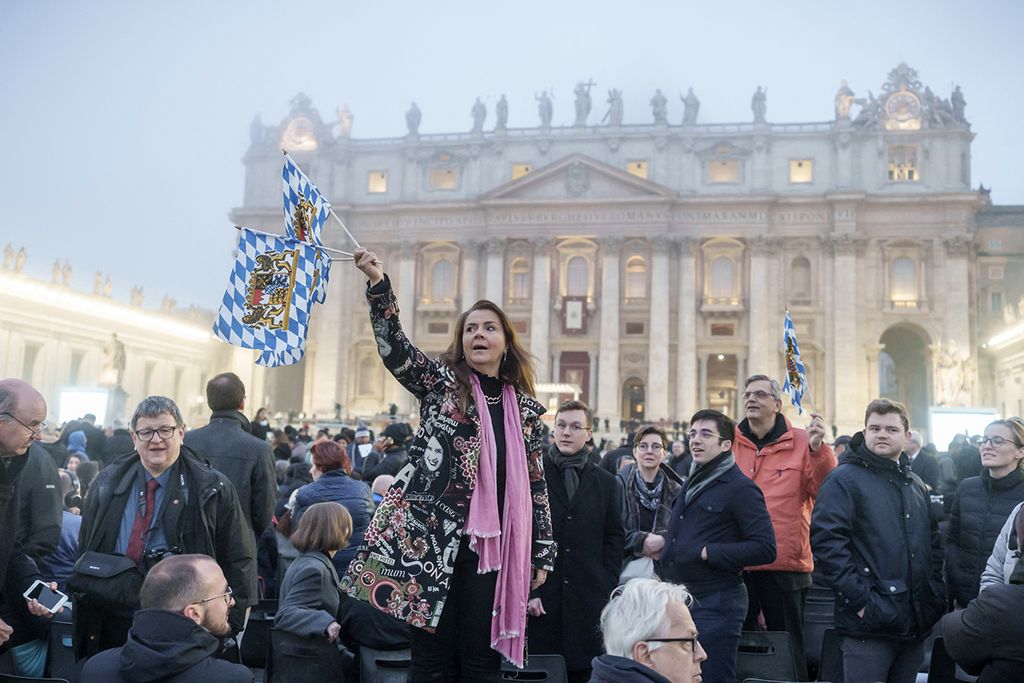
[701, 477]
[570, 466]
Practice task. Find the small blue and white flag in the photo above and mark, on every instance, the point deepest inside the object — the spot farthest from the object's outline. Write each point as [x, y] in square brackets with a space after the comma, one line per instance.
[305, 212]
[269, 297]
[796, 378]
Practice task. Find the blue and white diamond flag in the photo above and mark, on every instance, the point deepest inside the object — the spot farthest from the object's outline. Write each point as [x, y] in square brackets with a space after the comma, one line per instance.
[305, 212]
[796, 378]
[269, 297]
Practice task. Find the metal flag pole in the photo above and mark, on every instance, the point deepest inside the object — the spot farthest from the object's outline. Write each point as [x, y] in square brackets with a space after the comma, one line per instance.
[316, 246]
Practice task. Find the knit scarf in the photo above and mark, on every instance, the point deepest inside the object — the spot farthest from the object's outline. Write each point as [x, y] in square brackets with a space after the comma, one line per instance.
[570, 466]
[649, 498]
[503, 544]
[702, 475]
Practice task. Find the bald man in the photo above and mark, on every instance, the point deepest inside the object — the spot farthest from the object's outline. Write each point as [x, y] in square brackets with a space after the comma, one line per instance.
[22, 420]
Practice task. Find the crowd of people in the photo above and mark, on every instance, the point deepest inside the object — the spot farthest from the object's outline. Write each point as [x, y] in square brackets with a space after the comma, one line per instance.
[487, 535]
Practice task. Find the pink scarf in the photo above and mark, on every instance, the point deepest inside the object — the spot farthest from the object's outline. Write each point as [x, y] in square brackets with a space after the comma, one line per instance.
[503, 546]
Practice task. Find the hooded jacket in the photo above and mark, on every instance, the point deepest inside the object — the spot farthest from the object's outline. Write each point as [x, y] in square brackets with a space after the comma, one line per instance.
[613, 669]
[877, 545]
[168, 647]
[979, 511]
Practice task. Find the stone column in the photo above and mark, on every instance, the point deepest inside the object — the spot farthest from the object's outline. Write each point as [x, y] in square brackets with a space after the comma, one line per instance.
[957, 306]
[760, 343]
[470, 272]
[540, 315]
[741, 377]
[405, 292]
[873, 352]
[608, 390]
[686, 347]
[324, 353]
[702, 383]
[494, 291]
[658, 332]
[841, 317]
[591, 397]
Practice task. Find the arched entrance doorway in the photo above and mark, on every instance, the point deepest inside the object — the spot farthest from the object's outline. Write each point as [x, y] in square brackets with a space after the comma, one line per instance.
[903, 370]
[634, 402]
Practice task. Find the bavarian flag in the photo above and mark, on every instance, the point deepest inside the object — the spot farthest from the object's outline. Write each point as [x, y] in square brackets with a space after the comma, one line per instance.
[269, 296]
[305, 212]
[796, 378]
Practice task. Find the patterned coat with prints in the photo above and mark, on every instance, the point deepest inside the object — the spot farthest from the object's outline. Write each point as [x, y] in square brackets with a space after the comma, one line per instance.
[405, 567]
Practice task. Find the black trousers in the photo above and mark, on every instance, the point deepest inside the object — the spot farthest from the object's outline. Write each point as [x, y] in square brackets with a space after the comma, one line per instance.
[783, 611]
[26, 626]
[460, 648]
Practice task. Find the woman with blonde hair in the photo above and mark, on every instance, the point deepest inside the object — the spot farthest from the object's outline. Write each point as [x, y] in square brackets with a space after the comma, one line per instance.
[451, 547]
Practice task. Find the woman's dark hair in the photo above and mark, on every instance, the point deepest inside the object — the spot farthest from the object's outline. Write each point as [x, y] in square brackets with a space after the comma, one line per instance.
[328, 456]
[324, 527]
[516, 367]
[648, 429]
[86, 472]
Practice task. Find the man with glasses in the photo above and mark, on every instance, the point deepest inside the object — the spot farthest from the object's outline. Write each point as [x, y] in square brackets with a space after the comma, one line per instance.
[177, 633]
[719, 525]
[22, 415]
[162, 499]
[649, 635]
[586, 515]
[789, 465]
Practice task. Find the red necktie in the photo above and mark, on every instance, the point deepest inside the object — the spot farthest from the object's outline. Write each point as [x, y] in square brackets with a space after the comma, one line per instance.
[136, 540]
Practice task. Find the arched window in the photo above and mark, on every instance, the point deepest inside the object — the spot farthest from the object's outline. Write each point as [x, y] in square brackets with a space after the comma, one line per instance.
[800, 278]
[576, 276]
[636, 278]
[519, 274]
[441, 281]
[903, 287]
[722, 278]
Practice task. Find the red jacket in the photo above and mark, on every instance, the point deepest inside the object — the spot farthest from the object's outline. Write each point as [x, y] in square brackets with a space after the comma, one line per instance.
[789, 475]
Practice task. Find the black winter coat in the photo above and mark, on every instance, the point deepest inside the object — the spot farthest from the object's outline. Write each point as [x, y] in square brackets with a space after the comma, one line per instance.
[877, 545]
[636, 536]
[167, 647]
[208, 522]
[588, 531]
[354, 495]
[42, 504]
[17, 570]
[979, 511]
[117, 444]
[245, 460]
[730, 518]
[987, 638]
[391, 462]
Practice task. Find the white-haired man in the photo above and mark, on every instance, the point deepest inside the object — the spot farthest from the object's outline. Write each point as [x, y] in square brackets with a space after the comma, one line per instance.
[649, 635]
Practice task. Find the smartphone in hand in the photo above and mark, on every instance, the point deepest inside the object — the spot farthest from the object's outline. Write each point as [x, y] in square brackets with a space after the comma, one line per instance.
[50, 599]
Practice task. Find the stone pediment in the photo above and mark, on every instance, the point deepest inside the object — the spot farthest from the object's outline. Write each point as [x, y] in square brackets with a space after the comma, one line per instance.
[577, 177]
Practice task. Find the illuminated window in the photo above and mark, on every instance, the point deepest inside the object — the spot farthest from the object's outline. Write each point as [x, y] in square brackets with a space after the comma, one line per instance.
[377, 182]
[722, 280]
[636, 278]
[903, 287]
[519, 275]
[638, 168]
[444, 179]
[724, 171]
[576, 276]
[903, 166]
[442, 281]
[519, 170]
[801, 171]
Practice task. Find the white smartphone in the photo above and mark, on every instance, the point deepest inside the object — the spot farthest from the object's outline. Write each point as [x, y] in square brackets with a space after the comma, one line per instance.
[47, 597]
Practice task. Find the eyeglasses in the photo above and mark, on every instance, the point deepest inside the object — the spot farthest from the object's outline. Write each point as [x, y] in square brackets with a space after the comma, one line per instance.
[704, 434]
[574, 428]
[226, 595]
[36, 431]
[652, 447]
[759, 395]
[691, 641]
[998, 441]
[164, 433]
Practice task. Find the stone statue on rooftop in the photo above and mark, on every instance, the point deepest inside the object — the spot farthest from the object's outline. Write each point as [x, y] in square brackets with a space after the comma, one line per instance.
[412, 119]
[257, 132]
[959, 104]
[55, 273]
[19, 260]
[759, 104]
[65, 274]
[479, 114]
[114, 358]
[615, 108]
[97, 283]
[545, 109]
[691, 107]
[107, 287]
[137, 297]
[501, 113]
[8, 257]
[345, 121]
[659, 107]
[844, 100]
[583, 102]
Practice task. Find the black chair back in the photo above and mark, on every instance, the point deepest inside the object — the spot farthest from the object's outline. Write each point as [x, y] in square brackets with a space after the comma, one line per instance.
[295, 659]
[549, 668]
[384, 666]
[765, 654]
[252, 650]
[831, 662]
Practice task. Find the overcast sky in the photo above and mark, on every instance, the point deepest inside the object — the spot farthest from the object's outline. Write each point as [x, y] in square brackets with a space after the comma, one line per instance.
[125, 122]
